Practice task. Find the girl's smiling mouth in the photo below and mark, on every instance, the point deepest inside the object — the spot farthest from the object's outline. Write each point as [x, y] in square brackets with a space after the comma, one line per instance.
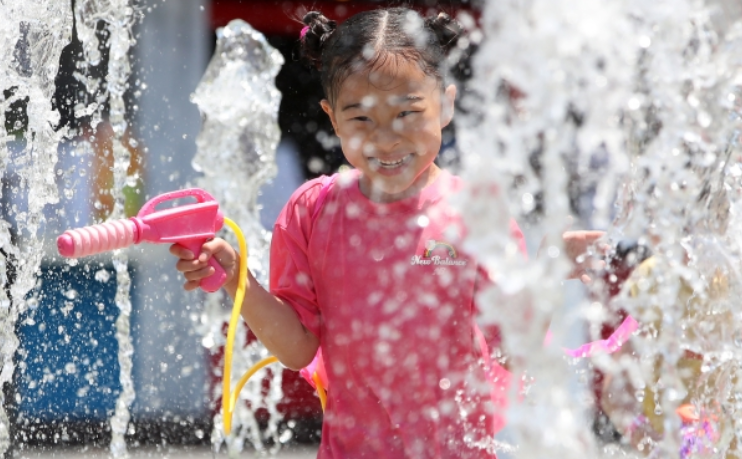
[389, 165]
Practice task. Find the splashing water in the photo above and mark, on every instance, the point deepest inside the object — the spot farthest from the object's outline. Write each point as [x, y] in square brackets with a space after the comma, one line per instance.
[33, 35]
[652, 89]
[119, 16]
[30, 51]
[239, 102]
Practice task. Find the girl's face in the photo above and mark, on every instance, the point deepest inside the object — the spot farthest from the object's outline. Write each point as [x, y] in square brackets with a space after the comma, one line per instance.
[389, 121]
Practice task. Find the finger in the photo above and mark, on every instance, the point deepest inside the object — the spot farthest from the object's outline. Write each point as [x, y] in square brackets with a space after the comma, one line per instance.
[191, 285]
[593, 235]
[587, 280]
[227, 256]
[209, 248]
[199, 274]
[181, 252]
[588, 236]
[186, 266]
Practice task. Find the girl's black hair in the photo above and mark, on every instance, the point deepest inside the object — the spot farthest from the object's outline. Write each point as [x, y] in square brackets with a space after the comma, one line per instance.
[370, 38]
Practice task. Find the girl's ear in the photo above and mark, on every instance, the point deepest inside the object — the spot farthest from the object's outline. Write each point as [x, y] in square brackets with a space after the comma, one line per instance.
[447, 103]
[330, 112]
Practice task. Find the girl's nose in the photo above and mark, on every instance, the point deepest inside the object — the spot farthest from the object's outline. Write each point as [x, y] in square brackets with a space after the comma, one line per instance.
[385, 139]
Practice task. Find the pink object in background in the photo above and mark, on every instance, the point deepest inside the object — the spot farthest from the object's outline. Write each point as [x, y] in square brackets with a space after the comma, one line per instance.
[500, 378]
[610, 345]
[189, 225]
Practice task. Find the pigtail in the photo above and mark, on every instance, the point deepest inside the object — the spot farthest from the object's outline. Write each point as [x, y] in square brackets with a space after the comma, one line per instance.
[318, 29]
[445, 29]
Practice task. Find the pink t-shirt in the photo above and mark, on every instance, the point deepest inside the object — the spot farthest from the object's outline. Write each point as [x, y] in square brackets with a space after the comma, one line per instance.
[390, 295]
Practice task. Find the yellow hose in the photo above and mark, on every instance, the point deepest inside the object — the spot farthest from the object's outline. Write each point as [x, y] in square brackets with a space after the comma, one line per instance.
[229, 398]
[227, 403]
[243, 380]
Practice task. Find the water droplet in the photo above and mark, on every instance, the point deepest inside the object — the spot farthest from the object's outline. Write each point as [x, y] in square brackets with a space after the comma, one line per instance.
[704, 119]
[132, 180]
[286, 435]
[71, 294]
[738, 338]
[529, 203]
[102, 275]
[639, 394]
[444, 384]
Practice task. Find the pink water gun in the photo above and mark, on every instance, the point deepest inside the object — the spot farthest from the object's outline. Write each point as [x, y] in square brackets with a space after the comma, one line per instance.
[188, 224]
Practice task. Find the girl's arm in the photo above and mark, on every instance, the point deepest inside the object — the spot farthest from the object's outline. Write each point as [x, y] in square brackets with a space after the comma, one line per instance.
[274, 322]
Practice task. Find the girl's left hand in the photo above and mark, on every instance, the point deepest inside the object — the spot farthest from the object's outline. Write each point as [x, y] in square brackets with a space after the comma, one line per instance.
[576, 246]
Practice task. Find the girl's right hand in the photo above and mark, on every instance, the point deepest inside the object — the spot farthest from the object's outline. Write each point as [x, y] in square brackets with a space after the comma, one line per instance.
[196, 269]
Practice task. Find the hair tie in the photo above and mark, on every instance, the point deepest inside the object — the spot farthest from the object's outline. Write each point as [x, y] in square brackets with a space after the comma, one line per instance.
[303, 32]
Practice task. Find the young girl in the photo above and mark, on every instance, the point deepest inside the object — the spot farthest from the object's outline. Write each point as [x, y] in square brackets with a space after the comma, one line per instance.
[367, 265]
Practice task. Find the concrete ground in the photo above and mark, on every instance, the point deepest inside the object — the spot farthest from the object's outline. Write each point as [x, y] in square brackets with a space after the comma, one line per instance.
[295, 452]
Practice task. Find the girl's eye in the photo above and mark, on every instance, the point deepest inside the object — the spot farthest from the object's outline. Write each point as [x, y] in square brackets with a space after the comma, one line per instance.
[359, 118]
[405, 113]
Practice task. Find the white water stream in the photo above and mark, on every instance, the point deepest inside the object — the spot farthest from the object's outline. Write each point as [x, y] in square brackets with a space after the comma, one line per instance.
[238, 101]
[652, 88]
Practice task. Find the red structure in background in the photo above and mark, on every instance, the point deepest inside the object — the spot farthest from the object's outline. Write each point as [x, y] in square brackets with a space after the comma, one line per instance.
[283, 17]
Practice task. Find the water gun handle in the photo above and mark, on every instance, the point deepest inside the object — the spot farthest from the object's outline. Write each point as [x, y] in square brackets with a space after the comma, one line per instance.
[215, 281]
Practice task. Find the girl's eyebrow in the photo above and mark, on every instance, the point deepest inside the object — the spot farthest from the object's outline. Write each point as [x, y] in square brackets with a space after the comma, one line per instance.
[395, 100]
[350, 106]
[408, 98]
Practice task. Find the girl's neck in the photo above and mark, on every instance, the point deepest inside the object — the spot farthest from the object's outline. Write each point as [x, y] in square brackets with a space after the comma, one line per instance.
[427, 177]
